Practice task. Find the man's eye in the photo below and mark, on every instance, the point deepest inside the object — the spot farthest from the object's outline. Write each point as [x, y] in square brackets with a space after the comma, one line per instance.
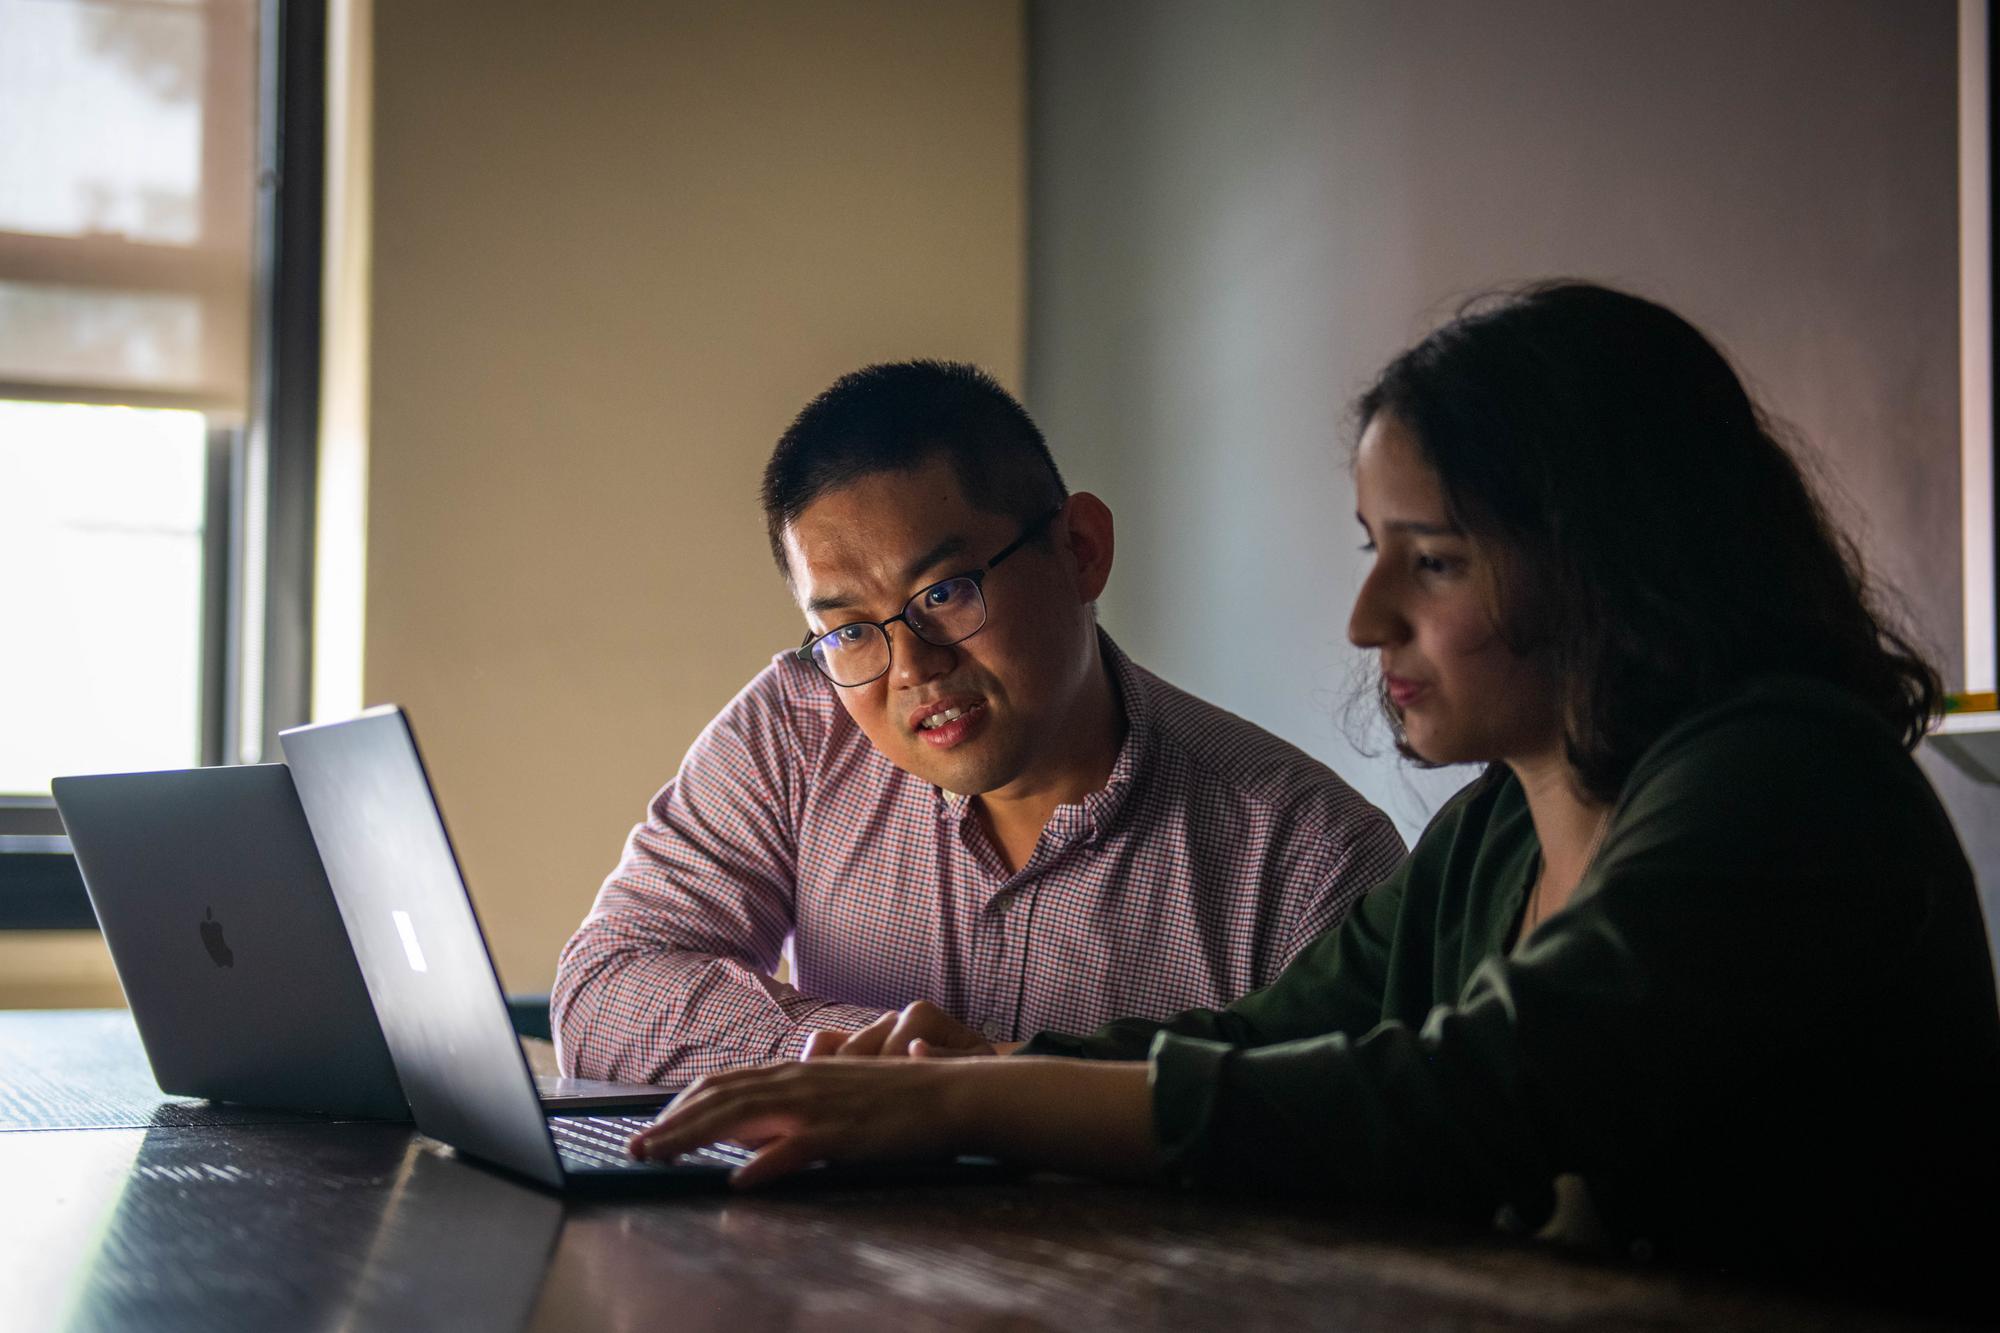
[848, 635]
[940, 594]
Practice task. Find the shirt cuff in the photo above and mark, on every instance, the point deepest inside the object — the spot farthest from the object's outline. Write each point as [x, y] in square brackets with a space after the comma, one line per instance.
[1186, 1075]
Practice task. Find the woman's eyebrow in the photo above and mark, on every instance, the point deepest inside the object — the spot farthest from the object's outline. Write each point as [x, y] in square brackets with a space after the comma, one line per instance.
[1419, 528]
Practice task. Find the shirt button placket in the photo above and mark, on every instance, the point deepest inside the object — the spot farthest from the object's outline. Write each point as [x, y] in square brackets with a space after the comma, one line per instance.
[992, 966]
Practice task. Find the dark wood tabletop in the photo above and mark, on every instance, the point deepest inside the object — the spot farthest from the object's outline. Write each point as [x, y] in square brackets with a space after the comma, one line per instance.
[129, 1210]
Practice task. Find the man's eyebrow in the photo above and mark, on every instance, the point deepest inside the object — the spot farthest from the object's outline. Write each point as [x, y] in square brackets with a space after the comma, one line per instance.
[831, 602]
[944, 550]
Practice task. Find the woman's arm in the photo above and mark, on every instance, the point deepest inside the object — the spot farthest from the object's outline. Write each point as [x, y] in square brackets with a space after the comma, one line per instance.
[1090, 1118]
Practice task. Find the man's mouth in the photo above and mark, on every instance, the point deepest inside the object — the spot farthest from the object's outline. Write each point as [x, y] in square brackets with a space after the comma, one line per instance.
[943, 724]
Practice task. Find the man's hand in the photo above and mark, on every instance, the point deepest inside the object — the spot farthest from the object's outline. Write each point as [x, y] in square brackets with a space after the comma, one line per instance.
[919, 1030]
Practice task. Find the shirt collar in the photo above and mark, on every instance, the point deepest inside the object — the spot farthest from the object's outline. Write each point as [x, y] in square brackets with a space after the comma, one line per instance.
[1096, 812]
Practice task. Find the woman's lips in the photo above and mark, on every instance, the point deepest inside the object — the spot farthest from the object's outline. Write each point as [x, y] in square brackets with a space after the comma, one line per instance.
[1403, 692]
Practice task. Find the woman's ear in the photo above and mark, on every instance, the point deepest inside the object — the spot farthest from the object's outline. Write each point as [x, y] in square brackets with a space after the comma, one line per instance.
[1091, 543]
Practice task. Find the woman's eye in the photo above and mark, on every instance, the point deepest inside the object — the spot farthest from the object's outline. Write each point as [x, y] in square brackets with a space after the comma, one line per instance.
[1368, 548]
[1434, 564]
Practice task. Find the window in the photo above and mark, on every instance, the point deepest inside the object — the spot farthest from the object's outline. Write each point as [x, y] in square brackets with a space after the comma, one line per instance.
[160, 166]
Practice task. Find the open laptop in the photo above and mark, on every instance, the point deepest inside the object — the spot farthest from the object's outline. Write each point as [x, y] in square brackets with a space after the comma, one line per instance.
[230, 947]
[418, 940]
[423, 955]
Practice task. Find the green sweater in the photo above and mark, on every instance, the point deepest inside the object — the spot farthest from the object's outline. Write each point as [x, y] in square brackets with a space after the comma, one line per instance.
[1765, 1025]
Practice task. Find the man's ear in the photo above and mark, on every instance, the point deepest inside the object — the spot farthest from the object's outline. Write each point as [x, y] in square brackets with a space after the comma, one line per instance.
[1091, 543]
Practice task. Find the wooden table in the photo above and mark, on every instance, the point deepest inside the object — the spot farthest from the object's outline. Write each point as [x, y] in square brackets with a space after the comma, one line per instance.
[121, 1208]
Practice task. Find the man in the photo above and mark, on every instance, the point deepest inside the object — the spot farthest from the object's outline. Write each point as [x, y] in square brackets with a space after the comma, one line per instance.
[970, 813]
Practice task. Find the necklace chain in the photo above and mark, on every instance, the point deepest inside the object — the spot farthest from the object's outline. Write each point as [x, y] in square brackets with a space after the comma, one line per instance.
[1533, 916]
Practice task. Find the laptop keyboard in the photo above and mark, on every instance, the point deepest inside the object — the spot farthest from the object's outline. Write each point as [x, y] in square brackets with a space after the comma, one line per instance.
[594, 1142]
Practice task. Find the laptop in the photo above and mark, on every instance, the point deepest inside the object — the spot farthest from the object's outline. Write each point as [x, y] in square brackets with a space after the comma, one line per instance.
[390, 861]
[230, 947]
[423, 955]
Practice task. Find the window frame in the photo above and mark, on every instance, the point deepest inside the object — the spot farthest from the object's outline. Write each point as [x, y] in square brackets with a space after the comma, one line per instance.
[260, 478]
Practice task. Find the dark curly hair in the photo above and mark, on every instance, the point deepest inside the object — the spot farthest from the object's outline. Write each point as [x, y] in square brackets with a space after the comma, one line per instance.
[1653, 536]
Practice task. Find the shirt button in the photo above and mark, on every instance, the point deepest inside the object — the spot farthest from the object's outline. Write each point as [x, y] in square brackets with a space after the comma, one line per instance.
[994, 1032]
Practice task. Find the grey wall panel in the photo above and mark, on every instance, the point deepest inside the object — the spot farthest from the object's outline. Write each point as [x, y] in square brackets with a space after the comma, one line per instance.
[1238, 212]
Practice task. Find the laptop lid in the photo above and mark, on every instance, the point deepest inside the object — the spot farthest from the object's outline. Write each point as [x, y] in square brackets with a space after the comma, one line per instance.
[398, 883]
[227, 940]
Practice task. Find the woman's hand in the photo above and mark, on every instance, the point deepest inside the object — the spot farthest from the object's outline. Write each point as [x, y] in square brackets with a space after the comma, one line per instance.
[798, 1114]
[1075, 1115]
[920, 1029]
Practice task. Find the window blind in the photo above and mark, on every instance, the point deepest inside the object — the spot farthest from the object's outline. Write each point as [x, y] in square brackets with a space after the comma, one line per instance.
[127, 175]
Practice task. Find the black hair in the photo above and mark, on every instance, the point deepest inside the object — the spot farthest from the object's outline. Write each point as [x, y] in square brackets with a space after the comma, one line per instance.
[897, 416]
[1653, 536]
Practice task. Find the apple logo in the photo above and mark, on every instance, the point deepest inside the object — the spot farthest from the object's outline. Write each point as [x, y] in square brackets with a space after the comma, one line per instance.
[211, 939]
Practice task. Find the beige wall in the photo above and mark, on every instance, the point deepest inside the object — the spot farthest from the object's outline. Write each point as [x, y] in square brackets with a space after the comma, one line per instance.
[613, 250]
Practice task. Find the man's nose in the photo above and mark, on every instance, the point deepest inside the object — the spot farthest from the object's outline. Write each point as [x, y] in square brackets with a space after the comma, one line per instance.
[916, 661]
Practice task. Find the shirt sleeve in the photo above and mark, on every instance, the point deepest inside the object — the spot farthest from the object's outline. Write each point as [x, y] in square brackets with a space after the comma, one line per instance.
[1368, 854]
[669, 976]
[1335, 984]
[1705, 1018]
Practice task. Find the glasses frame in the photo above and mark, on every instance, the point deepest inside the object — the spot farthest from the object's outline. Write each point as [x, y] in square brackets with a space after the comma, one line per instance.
[804, 652]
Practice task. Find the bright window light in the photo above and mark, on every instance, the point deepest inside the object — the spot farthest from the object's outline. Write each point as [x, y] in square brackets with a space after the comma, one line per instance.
[101, 539]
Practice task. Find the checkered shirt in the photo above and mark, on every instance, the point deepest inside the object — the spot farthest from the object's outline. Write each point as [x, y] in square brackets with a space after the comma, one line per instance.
[1213, 854]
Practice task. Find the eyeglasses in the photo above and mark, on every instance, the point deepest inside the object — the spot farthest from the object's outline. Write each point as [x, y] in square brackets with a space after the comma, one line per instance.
[947, 612]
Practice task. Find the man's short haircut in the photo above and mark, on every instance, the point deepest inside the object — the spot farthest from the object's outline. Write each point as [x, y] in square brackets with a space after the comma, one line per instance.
[898, 416]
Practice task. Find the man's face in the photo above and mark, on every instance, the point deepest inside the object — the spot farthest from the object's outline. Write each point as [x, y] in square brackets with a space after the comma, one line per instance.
[861, 552]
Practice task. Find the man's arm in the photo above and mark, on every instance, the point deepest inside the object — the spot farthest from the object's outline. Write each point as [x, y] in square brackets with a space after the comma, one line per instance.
[1365, 854]
[669, 976]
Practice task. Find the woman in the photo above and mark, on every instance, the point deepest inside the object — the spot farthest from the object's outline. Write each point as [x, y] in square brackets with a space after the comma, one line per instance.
[1699, 951]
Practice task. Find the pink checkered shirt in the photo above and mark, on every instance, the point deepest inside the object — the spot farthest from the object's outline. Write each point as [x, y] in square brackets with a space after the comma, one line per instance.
[1214, 853]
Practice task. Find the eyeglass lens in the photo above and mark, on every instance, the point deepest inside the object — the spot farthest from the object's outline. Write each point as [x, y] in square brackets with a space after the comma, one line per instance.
[941, 614]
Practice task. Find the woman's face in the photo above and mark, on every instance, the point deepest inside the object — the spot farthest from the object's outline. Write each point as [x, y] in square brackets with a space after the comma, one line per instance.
[1427, 607]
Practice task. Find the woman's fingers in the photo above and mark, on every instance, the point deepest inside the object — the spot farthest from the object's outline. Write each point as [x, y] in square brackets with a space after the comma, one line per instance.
[779, 1157]
[717, 1106]
[798, 1112]
[710, 1122]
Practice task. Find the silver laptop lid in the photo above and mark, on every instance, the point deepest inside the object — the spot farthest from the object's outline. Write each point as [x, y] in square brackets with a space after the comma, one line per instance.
[418, 940]
[227, 940]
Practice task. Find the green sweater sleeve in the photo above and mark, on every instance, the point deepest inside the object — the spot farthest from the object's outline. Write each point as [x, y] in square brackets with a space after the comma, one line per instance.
[1775, 956]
